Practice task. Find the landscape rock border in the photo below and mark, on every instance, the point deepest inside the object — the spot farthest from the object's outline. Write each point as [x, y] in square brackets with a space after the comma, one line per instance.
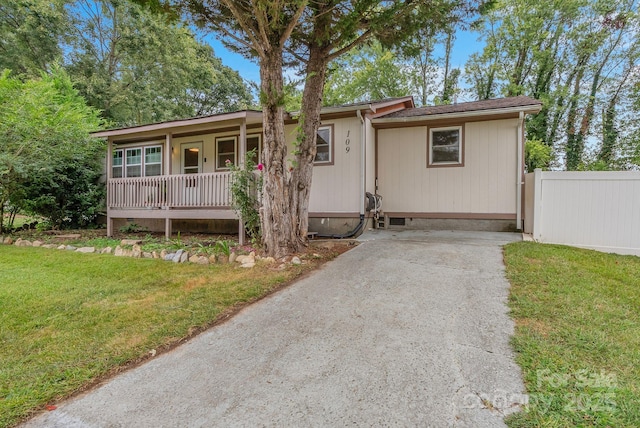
[246, 261]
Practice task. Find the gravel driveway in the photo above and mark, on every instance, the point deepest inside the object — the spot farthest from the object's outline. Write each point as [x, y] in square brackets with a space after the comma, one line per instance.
[407, 329]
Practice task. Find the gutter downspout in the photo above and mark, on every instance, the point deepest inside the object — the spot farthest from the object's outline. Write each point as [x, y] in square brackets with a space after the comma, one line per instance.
[519, 163]
[363, 159]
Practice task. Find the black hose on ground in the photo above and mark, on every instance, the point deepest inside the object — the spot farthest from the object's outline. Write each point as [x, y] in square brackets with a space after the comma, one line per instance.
[348, 234]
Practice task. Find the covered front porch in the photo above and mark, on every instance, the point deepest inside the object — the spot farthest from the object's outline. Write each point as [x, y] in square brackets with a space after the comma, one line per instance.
[170, 197]
[178, 170]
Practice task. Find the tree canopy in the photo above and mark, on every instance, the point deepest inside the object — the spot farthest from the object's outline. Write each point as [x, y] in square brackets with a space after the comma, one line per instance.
[580, 57]
[137, 67]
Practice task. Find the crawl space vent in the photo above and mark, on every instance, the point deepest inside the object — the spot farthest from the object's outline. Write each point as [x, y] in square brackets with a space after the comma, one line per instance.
[396, 221]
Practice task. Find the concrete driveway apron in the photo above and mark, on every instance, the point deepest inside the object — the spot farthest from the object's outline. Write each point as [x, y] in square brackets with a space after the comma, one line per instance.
[408, 329]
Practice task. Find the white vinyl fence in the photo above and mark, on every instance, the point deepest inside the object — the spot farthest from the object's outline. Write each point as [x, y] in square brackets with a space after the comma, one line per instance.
[599, 210]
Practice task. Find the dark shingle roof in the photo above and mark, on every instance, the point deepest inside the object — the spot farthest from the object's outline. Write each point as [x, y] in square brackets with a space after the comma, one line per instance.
[498, 103]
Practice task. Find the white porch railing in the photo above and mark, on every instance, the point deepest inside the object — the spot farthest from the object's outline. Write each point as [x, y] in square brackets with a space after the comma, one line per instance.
[171, 191]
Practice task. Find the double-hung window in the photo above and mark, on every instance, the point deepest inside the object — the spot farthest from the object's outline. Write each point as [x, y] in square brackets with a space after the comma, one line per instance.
[445, 147]
[254, 142]
[225, 151]
[152, 161]
[136, 162]
[117, 164]
[324, 146]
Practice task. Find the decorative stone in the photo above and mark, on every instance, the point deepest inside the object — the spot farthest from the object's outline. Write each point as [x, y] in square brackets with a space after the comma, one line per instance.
[203, 260]
[23, 243]
[147, 255]
[253, 254]
[18, 242]
[232, 257]
[163, 254]
[169, 257]
[8, 240]
[184, 257]
[223, 259]
[106, 250]
[49, 246]
[245, 259]
[193, 259]
[177, 255]
[86, 250]
[131, 242]
[136, 252]
[296, 260]
[61, 247]
[154, 254]
[248, 265]
[37, 243]
[70, 248]
[69, 236]
[212, 258]
[122, 252]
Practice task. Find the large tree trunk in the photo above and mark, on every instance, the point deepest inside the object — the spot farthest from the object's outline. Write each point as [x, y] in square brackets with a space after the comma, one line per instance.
[305, 150]
[276, 212]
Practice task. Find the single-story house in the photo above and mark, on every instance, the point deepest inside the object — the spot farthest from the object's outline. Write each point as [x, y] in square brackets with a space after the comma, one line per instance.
[456, 166]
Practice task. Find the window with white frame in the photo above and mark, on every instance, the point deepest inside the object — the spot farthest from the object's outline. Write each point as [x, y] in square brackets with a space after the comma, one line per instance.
[116, 164]
[133, 165]
[225, 151]
[131, 162]
[445, 146]
[324, 145]
[254, 142]
[152, 161]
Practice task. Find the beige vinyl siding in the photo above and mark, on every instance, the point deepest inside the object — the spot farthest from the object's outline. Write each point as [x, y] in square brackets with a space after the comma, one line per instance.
[208, 148]
[336, 188]
[485, 184]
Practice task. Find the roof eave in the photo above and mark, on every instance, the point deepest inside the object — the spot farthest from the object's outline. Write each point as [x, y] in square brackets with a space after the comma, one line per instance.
[176, 124]
[372, 106]
[529, 109]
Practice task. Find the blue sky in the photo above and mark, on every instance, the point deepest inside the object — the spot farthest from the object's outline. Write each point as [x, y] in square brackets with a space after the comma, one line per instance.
[465, 44]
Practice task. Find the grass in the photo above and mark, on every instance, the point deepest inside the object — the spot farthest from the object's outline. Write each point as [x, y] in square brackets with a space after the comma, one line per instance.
[577, 335]
[68, 319]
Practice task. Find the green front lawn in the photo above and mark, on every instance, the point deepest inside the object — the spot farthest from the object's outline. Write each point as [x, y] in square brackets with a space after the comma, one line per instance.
[67, 319]
[577, 338]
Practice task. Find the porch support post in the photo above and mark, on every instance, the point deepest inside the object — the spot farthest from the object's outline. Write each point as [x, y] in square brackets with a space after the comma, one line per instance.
[167, 171]
[167, 155]
[167, 227]
[242, 151]
[108, 174]
[109, 223]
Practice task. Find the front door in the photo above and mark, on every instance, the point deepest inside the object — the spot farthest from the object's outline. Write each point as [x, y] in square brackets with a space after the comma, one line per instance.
[191, 163]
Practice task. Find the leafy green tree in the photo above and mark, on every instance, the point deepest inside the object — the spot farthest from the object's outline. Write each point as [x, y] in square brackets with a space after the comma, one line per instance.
[137, 67]
[536, 155]
[370, 72]
[48, 163]
[31, 35]
[577, 56]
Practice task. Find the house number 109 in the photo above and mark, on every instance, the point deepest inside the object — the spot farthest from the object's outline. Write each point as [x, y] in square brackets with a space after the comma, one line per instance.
[347, 149]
